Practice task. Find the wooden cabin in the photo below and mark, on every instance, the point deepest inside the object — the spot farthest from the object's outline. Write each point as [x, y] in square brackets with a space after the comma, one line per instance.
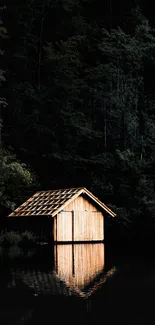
[72, 215]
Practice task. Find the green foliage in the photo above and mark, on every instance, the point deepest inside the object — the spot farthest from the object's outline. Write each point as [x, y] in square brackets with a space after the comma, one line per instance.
[3, 103]
[28, 238]
[11, 238]
[15, 238]
[14, 178]
[13, 252]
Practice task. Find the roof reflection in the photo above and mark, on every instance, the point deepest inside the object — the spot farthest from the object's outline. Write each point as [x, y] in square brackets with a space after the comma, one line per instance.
[78, 270]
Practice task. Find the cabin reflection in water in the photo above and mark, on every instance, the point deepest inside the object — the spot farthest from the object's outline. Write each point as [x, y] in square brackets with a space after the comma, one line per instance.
[78, 269]
[77, 265]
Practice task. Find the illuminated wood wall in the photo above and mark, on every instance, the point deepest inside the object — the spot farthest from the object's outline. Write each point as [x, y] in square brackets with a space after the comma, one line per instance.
[79, 221]
[64, 226]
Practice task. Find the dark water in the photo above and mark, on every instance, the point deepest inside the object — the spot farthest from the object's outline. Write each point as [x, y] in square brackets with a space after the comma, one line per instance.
[77, 284]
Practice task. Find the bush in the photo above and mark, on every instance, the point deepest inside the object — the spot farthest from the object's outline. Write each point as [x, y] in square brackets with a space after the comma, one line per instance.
[14, 238]
[28, 238]
[14, 252]
[1, 237]
[11, 238]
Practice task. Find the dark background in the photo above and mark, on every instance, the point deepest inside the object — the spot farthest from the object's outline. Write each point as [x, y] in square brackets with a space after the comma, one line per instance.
[80, 93]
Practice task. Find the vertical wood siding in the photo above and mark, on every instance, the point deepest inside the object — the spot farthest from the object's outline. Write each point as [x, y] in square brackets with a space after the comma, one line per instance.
[79, 221]
[64, 226]
[55, 228]
[80, 204]
[88, 226]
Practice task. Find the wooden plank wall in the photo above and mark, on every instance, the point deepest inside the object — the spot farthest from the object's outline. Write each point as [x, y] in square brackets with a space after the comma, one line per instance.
[80, 204]
[79, 221]
[55, 228]
[88, 226]
[88, 222]
[64, 226]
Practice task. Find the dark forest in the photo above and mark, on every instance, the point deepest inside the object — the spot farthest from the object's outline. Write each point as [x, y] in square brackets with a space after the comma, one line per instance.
[77, 105]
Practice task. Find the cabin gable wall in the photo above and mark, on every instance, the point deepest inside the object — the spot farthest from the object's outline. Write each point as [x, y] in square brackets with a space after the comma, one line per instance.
[79, 221]
[81, 203]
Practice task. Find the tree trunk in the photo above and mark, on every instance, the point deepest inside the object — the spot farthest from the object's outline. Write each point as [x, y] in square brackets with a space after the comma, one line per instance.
[0, 127]
[136, 107]
[40, 45]
[142, 147]
[110, 14]
[122, 132]
[105, 126]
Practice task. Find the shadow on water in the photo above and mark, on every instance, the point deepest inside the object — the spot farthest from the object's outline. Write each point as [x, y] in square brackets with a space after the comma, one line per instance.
[128, 296]
[77, 284]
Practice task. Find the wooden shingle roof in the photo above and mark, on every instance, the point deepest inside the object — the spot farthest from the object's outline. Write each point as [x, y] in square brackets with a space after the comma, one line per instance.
[53, 201]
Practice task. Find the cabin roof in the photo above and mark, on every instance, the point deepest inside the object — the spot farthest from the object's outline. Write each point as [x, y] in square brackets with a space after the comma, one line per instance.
[53, 201]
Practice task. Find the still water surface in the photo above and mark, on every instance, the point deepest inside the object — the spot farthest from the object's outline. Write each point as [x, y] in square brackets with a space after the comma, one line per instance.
[77, 284]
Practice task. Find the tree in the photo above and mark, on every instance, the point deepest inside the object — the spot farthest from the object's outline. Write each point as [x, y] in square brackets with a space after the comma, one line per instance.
[3, 33]
[81, 103]
[15, 180]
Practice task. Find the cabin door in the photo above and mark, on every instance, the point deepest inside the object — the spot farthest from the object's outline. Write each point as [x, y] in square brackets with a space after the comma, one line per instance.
[88, 226]
[64, 226]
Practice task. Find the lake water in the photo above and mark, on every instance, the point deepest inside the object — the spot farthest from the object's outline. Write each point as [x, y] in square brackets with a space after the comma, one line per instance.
[77, 284]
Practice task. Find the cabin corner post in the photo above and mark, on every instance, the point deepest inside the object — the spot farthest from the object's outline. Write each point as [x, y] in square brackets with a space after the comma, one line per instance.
[72, 225]
[55, 229]
[103, 227]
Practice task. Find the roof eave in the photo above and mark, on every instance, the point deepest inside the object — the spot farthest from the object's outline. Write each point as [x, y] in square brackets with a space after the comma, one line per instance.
[94, 198]
[102, 205]
[81, 190]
